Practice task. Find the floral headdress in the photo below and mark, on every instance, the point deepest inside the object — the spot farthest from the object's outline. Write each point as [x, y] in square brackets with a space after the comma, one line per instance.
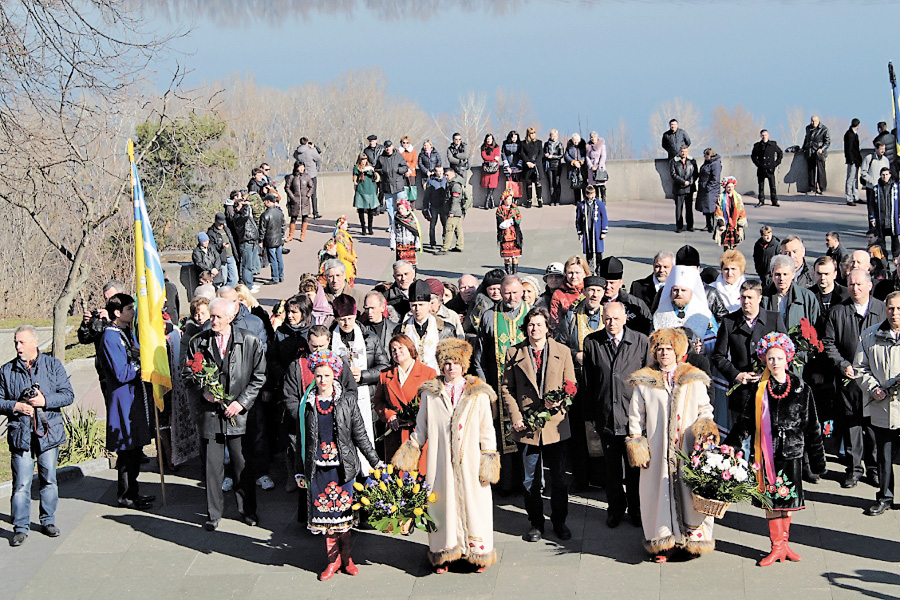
[506, 194]
[775, 340]
[728, 180]
[403, 202]
[326, 358]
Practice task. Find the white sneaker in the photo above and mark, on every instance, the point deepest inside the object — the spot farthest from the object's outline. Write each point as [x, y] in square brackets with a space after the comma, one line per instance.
[227, 484]
[255, 289]
[266, 483]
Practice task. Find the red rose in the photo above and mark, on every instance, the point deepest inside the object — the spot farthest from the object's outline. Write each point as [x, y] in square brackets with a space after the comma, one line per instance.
[196, 363]
[569, 387]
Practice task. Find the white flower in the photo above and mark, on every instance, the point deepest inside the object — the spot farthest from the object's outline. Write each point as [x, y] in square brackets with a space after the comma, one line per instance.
[706, 469]
[740, 475]
[726, 464]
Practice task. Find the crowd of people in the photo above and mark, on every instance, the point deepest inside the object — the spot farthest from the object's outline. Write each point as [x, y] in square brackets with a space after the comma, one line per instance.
[684, 354]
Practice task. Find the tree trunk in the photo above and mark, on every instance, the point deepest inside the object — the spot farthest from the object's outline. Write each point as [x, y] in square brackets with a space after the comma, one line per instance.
[75, 282]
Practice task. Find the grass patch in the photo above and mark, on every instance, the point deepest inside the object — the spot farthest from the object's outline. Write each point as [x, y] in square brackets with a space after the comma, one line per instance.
[75, 349]
[14, 322]
[5, 467]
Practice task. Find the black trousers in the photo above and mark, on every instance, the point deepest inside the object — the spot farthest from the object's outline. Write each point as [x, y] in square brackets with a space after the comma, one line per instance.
[128, 465]
[528, 177]
[859, 443]
[555, 184]
[684, 211]
[816, 166]
[761, 177]
[895, 242]
[535, 458]
[887, 442]
[258, 438]
[622, 480]
[244, 482]
[593, 259]
[432, 226]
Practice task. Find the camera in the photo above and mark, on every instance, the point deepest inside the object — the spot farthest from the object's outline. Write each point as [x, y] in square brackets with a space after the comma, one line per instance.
[30, 392]
[95, 314]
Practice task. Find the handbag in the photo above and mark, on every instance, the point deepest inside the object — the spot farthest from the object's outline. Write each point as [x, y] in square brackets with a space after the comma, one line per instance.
[576, 179]
[490, 167]
[515, 187]
[601, 176]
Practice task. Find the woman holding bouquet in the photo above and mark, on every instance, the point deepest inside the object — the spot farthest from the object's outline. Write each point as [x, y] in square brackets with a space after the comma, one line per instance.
[669, 412]
[462, 463]
[783, 424]
[398, 387]
[534, 368]
[509, 232]
[332, 430]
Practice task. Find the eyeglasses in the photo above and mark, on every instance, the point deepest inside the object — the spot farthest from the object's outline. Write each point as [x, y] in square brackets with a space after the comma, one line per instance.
[267, 169]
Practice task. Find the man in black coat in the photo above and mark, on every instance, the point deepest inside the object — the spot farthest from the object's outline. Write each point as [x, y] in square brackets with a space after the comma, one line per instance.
[766, 155]
[843, 328]
[647, 288]
[637, 313]
[397, 295]
[610, 357]
[735, 348]
[206, 258]
[853, 159]
[674, 138]
[221, 239]
[374, 318]
[240, 359]
[886, 137]
[815, 148]
[684, 172]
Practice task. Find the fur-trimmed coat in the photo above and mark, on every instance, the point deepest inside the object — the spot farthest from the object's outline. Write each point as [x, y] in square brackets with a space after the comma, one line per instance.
[667, 417]
[462, 462]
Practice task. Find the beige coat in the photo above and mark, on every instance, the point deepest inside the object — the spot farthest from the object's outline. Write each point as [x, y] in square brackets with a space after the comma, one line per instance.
[462, 462]
[519, 390]
[665, 415]
[877, 364]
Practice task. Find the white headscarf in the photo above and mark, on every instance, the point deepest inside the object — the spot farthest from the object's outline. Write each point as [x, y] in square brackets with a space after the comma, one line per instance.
[730, 292]
[697, 315]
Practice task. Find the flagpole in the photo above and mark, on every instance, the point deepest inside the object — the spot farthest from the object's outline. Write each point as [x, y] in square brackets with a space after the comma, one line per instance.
[159, 454]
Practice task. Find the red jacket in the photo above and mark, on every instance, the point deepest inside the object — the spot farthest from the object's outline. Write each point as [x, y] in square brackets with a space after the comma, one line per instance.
[561, 301]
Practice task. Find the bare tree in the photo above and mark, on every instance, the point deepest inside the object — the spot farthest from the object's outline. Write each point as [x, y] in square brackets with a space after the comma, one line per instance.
[793, 132]
[733, 132]
[685, 112]
[618, 141]
[512, 111]
[470, 120]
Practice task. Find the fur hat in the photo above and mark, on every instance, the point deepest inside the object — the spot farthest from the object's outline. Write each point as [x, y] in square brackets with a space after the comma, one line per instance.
[668, 337]
[344, 306]
[454, 350]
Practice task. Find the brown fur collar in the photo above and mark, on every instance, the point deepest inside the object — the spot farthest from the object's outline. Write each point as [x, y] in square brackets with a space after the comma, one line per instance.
[684, 374]
[474, 385]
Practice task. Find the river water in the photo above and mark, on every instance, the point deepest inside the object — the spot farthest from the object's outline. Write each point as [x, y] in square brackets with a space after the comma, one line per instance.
[583, 64]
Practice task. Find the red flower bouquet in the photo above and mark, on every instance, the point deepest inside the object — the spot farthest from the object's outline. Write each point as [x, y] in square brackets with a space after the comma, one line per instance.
[206, 374]
[806, 341]
[536, 416]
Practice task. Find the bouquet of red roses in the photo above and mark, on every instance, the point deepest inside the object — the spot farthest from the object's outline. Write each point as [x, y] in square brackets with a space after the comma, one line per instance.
[536, 416]
[806, 342]
[206, 374]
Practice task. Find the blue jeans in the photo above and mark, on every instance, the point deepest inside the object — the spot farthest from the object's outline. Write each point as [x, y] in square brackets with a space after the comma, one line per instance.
[249, 260]
[22, 471]
[535, 459]
[276, 262]
[231, 278]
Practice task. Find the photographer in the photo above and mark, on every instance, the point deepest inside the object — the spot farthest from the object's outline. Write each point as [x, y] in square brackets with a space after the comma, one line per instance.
[93, 325]
[33, 389]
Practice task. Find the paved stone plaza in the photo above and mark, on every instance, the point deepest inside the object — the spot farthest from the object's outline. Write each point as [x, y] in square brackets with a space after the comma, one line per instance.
[106, 552]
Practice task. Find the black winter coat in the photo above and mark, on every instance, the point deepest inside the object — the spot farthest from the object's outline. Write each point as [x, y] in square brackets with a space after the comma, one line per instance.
[377, 358]
[217, 239]
[458, 158]
[244, 226]
[243, 373]
[766, 155]
[372, 154]
[852, 155]
[207, 261]
[673, 141]
[350, 434]
[607, 372]
[816, 138]
[392, 168]
[795, 426]
[644, 289]
[763, 253]
[708, 185]
[532, 152]
[681, 173]
[271, 227]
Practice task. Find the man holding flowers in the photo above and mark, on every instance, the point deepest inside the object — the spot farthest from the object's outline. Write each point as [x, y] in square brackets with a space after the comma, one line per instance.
[536, 371]
[240, 363]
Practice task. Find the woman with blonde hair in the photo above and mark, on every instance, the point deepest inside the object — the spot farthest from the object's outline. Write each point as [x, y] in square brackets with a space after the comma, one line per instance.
[553, 160]
[669, 413]
[575, 270]
[531, 153]
[732, 266]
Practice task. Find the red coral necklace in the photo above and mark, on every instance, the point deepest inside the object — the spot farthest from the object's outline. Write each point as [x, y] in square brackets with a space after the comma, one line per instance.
[779, 396]
[319, 405]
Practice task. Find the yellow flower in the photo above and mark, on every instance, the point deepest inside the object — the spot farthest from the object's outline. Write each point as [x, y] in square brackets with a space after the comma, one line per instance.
[358, 486]
[382, 487]
[416, 488]
[418, 512]
[356, 506]
[364, 500]
[393, 508]
[376, 473]
[432, 498]
[390, 469]
[414, 474]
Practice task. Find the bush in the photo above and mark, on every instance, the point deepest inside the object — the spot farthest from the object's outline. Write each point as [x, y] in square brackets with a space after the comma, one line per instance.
[85, 437]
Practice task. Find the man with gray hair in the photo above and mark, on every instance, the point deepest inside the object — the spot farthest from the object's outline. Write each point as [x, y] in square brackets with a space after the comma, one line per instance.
[844, 325]
[373, 317]
[647, 288]
[815, 148]
[397, 295]
[34, 387]
[336, 281]
[793, 246]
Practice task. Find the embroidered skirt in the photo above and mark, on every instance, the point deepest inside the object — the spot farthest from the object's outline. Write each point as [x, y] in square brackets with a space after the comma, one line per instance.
[730, 237]
[406, 252]
[508, 247]
[787, 493]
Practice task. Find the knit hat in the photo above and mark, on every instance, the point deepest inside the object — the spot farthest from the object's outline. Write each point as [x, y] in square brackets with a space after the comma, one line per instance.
[454, 350]
[202, 237]
[553, 269]
[775, 340]
[437, 288]
[611, 268]
[419, 291]
[687, 256]
[326, 358]
[594, 281]
[344, 306]
[220, 218]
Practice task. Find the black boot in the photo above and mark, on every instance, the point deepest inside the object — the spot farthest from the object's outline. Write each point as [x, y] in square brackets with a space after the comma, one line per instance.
[362, 219]
[540, 201]
[371, 215]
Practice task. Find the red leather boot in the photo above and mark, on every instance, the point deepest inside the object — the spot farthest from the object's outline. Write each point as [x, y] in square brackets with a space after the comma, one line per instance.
[349, 568]
[777, 536]
[786, 528]
[334, 558]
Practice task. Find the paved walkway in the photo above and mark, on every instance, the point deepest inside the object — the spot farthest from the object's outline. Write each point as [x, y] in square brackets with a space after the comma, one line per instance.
[105, 552]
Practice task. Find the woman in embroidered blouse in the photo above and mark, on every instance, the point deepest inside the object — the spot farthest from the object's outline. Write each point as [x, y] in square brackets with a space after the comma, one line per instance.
[784, 424]
[509, 232]
[332, 429]
[455, 418]
[398, 386]
[731, 218]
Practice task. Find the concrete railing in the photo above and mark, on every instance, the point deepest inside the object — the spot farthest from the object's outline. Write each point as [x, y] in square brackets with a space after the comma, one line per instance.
[628, 180]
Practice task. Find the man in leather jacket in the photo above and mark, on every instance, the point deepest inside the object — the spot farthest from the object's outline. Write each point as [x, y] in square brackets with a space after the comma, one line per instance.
[815, 148]
[766, 155]
[271, 236]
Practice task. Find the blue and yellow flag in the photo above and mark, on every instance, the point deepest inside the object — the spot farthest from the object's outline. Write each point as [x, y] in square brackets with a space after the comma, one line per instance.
[151, 294]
